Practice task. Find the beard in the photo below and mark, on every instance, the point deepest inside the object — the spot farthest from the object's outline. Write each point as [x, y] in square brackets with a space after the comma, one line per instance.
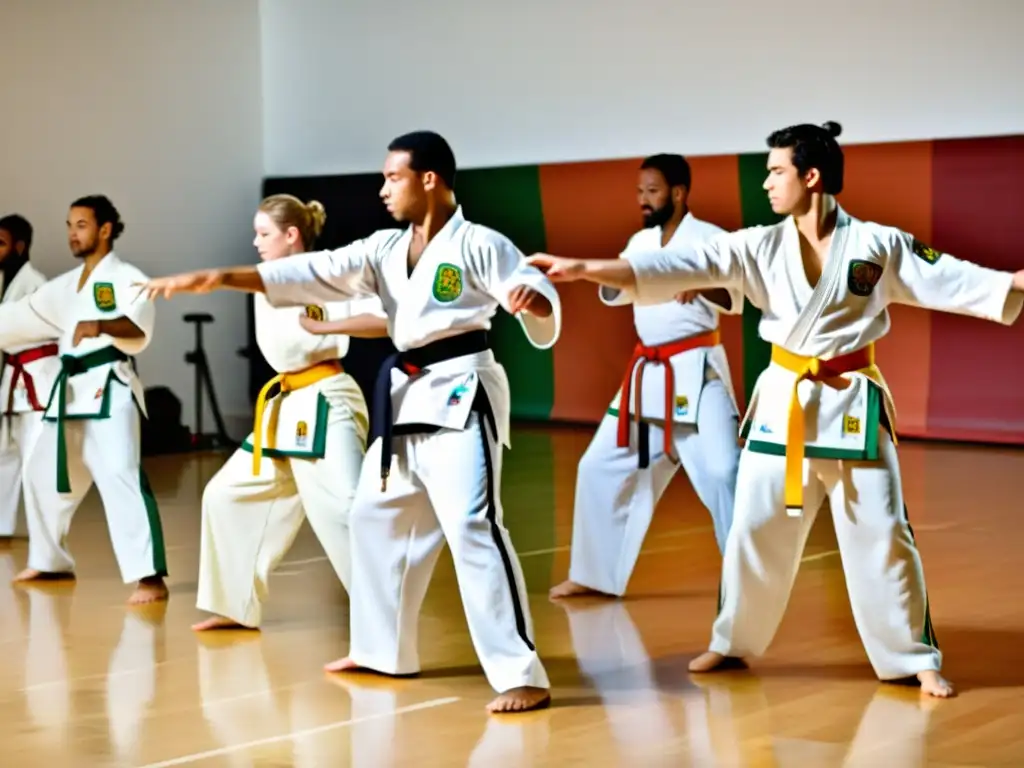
[84, 250]
[658, 217]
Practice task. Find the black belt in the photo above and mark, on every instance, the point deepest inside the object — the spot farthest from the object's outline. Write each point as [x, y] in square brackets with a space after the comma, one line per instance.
[412, 361]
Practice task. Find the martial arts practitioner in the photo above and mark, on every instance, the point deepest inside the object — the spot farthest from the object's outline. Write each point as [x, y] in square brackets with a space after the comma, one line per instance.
[303, 457]
[91, 430]
[27, 372]
[821, 422]
[433, 471]
[675, 406]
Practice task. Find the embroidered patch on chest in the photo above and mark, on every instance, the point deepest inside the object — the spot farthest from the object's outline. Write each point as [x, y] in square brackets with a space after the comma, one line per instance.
[313, 312]
[447, 283]
[103, 296]
[925, 252]
[863, 277]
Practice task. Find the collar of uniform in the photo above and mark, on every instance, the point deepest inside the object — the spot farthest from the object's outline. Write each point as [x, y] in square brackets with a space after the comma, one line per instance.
[447, 232]
[842, 220]
[684, 224]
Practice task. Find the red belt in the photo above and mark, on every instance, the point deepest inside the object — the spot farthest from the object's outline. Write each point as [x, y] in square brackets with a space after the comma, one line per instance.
[18, 361]
[661, 356]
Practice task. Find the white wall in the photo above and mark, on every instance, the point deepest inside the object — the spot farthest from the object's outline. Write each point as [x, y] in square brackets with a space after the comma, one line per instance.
[156, 104]
[177, 108]
[533, 81]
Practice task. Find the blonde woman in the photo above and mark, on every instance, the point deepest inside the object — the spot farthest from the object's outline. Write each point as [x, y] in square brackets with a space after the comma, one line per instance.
[303, 457]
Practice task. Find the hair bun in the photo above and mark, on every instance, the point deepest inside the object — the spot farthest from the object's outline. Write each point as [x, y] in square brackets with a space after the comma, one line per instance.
[317, 216]
[832, 128]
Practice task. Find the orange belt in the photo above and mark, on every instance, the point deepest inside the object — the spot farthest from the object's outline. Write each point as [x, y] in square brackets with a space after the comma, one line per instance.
[289, 383]
[813, 369]
[659, 355]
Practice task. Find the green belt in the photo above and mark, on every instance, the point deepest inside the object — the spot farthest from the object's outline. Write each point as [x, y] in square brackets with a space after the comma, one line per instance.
[73, 366]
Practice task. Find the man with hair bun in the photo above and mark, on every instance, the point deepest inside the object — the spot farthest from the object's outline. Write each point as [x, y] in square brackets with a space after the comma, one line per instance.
[303, 457]
[675, 407]
[91, 427]
[821, 422]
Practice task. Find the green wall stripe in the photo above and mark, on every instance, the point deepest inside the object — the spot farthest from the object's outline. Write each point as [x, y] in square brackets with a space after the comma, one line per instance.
[756, 210]
[508, 200]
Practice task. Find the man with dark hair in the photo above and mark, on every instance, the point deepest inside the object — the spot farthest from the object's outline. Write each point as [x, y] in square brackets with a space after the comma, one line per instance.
[427, 151]
[821, 422]
[675, 406]
[27, 372]
[441, 416]
[91, 421]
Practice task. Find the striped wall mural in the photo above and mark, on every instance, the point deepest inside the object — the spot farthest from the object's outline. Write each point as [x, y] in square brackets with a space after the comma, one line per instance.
[953, 377]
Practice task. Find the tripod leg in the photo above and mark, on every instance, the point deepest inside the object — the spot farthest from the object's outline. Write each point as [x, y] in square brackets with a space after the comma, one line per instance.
[222, 433]
[200, 360]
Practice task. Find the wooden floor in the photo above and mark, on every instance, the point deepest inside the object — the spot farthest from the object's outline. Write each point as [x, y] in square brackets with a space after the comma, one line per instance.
[84, 682]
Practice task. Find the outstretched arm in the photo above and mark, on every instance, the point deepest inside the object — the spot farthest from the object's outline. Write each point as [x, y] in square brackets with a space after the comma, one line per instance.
[658, 276]
[32, 319]
[923, 277]
[338, 275]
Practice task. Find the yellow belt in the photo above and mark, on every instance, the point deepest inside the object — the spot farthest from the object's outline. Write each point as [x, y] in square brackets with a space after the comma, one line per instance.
[289, 382]
[825, 371]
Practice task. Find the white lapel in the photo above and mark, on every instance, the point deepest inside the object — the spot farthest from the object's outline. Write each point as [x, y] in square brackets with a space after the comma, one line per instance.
[824, 292]
[436, 245]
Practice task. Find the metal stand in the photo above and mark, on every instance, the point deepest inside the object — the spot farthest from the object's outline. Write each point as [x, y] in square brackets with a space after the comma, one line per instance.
[197, 357]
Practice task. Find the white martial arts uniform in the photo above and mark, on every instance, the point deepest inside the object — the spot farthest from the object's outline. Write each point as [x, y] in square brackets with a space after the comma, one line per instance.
[27, 373]
[442, 468]
[618, 486]
[823, 398]
[312, 437]
[91, 428]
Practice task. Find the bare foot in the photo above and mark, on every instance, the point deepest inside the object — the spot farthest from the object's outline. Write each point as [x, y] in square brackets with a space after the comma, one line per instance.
[343, 665]
[571, 589]
[347, 664]
[150, 590]
[220, 622]
[715, 662]
[933, 684]
[31, 574]
[522, 699]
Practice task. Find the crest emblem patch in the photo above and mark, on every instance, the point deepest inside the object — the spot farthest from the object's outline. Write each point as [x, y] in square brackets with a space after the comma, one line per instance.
[682, 405]
[313, 312]
[447, 283]
[925, 252]
[863, 277]
[301, 433]
[103, 295]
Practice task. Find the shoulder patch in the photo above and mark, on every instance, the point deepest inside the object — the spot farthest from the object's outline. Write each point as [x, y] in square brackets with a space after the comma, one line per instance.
[314, 312]
[862, 277]
[103, 295]
[447, 283]
[925, 252]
